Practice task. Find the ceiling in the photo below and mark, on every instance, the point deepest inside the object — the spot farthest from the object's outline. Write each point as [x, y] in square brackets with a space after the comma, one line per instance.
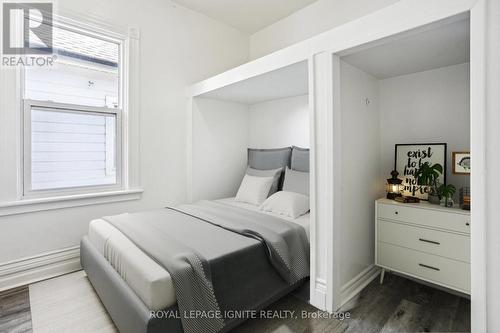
[284, 82]
[248, 16]
[445, 45]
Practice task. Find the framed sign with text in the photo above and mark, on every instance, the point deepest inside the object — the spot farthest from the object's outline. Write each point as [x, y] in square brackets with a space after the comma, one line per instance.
[409, 158]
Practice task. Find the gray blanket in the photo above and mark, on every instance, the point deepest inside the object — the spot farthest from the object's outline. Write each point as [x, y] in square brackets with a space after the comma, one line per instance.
[190, 241]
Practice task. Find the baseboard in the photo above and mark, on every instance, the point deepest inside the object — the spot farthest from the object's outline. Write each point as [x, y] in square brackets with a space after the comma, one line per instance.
[358, 283]
[40, 267]
[318, 294]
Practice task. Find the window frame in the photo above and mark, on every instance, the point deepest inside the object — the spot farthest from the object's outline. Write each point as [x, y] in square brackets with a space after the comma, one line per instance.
[28, 192]
[120, 114]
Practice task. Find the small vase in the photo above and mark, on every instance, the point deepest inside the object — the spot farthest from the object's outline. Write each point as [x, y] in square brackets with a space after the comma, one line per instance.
[449, 203]
[434, 199]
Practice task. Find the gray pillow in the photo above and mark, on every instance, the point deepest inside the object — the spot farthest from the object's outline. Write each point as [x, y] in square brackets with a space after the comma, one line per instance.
[276, 173]
[300, 159]
[296, 181]
[268, 159]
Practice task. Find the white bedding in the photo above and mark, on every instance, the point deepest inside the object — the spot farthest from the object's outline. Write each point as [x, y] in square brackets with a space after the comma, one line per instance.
[151, 282]
[302, 220]
[145, 277]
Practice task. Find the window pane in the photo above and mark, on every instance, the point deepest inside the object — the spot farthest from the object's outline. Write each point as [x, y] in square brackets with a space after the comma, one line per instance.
[72, 149]
[86, 72]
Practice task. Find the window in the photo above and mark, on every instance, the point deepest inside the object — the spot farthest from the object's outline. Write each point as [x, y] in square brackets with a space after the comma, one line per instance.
[73, 116]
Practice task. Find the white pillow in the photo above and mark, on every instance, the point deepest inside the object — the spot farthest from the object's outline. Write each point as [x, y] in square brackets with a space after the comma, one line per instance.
[290, 204]
[254, 189]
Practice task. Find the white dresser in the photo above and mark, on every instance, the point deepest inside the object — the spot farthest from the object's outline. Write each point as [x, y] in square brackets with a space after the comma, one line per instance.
[425, 241]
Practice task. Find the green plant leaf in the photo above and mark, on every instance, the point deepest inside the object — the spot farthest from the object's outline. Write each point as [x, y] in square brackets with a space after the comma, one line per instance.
[446, 191]
[438, 167]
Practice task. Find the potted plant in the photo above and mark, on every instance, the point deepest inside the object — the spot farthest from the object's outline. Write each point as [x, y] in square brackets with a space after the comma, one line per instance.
[428, 175]
[446, 192]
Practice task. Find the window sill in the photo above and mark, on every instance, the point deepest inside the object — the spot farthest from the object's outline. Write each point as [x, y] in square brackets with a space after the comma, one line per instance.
[43, 204]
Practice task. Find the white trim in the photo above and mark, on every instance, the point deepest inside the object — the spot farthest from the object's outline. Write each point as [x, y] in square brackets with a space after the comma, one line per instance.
[318, 294]
[40, 267]
[129, 96]
[19, 87]
[99, 26]
[77, 200]
[74, 107]
[316, 298]
[334, 165]
[60, 107]
[124, 103]
[318, 170]
[358, 283]
[26, 106]
[131, 109]
[479, 309]
[246, 71]
[189, 150]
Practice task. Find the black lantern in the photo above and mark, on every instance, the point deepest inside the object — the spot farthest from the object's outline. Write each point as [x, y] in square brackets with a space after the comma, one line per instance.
[394, 186]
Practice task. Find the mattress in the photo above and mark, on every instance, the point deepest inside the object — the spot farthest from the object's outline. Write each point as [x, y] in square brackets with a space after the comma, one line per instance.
[151, 282]
[144, 276]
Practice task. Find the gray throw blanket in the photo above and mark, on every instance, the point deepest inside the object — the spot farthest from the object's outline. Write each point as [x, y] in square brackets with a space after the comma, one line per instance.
[169, 237]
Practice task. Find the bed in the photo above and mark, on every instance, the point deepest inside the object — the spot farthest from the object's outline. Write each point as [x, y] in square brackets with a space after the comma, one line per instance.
[151, 282]
[109, 257]
[252, 258]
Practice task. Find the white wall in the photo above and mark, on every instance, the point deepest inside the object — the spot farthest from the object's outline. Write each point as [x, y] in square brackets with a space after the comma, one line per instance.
[177, 47]
[318, 17]
[430, 106]
[220, 141]
[222, 132]
[493, 160]
[361, 183]
[279, 123]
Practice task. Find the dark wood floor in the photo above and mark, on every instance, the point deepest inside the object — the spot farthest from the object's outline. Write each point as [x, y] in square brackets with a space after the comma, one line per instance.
[15, 316]
[402, 305]
[399, 305]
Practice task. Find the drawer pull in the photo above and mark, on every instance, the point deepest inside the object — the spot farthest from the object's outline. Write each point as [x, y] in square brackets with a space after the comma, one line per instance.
[428, 241]
[429, 267]
[396, 212]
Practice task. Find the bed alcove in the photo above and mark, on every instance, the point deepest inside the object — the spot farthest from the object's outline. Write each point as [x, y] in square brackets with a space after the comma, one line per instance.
[266, 111]
[409, 88]
[342, 192]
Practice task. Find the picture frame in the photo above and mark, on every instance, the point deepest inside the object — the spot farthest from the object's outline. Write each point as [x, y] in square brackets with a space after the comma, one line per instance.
[408, 157]
[461, 162]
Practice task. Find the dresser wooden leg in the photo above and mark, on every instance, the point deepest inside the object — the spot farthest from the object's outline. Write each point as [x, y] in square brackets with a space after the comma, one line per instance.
[382, 274]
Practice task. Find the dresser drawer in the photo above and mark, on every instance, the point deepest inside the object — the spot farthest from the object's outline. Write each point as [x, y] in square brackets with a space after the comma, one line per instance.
[440, 243]
[450, 273]
[427, 217]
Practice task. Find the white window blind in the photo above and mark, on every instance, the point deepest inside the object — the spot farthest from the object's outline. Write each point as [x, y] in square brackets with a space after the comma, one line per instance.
[72, 149]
